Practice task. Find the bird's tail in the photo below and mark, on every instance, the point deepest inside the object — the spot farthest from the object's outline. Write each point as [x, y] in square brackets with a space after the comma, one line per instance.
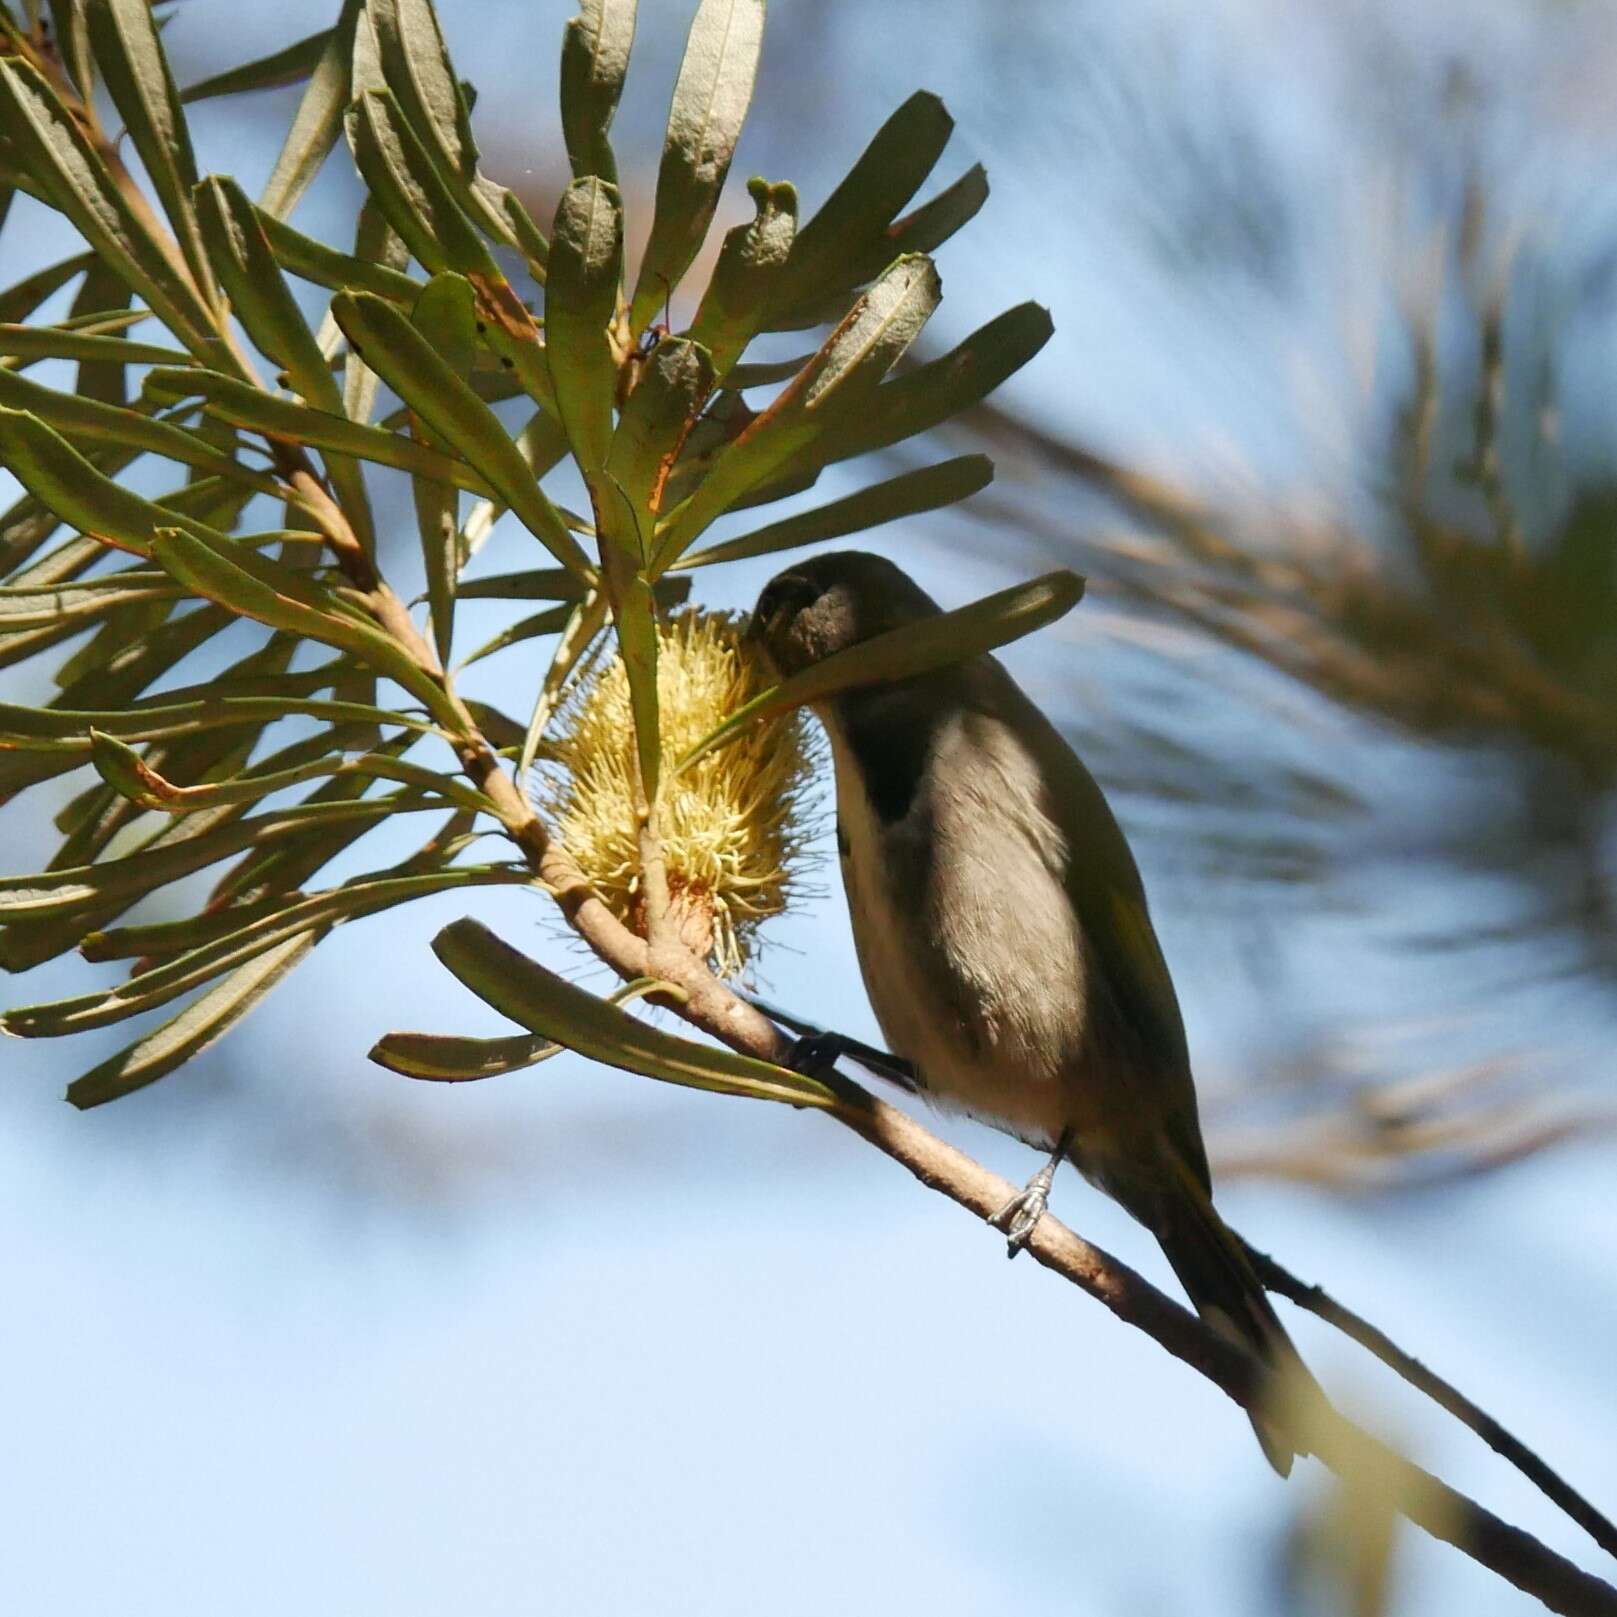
[1213, 1268]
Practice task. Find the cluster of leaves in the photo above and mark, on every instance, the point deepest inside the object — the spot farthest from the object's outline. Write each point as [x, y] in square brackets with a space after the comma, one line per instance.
[244, 399]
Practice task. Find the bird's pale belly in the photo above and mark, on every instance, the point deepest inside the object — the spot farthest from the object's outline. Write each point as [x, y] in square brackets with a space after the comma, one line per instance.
[987, 1001]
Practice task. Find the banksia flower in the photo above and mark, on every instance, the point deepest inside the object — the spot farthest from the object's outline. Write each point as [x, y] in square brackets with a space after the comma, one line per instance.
[735, 825]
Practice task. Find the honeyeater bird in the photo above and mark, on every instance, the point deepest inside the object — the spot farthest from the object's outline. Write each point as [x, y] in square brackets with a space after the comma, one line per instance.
[1003, 936]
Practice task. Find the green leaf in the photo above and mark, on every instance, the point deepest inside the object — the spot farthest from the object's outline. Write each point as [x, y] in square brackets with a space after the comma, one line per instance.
[57, 342]
[192, 1031]
[130, 776]
[448, 1059]
[530, 628]
[190, 970]
[396, 350]
[635, 619]
[292, 64]
[917, 648]
[66, 730]
[586, 621]
[537, 584]
[657, 416]
[711, 97]
[126, 428]
[55, 891]
[410, 189]
[542, 443]
[48, 141]
[136, 73]
[312, 260]
[103, 296]
[581, 299]
[932, 393]
[745, 280]
[843, 376]
[556, 1009]
[73, 44]
[445, 315]
[262, 301]
[37, 606]
[926, 489]
[246, 406]
[594, 58]
[856, 214]
[318, 121]
[258, 588]
[51, 469]
[19, 301]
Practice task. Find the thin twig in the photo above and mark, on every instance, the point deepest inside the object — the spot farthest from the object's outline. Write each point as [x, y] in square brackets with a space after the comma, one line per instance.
[1319, 1302]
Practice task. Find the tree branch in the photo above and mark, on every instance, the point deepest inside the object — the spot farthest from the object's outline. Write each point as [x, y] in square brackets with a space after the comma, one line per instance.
[1319, 1302]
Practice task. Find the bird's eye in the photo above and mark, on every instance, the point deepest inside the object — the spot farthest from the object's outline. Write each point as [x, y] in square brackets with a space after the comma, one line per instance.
[780, 599]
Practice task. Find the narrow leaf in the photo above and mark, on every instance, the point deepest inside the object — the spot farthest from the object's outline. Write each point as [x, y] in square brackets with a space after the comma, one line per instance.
[292, 64]
[123, 34]
[927, 489]
[594, 58]
[393, 347]
[581, 298]
[312, 260]
[318, 121]
[656, 418]
[917, 648]
[530, 628]
[711, 97]
[747, 276]
[19, 301]
[192, 1031]
[556, 1009]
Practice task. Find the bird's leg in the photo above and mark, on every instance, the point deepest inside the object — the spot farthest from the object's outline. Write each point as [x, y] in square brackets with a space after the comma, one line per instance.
[1020, 1216]
[816, 1050]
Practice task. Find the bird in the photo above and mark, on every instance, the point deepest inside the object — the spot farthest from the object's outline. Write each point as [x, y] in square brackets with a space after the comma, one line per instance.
[1002, 932]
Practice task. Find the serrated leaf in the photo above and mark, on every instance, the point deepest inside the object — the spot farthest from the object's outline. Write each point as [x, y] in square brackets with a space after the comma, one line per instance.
[264, 304]
[556, 1009]
[318, 121]
[246, 406]
[312, 260]
[190, 970]
[123, 35]
[49, 142]
[711, 97]
[581, 299]
[909, 494]
[292, 64]
[916, 648]
[744, 284]
[192, 1031]
[258, 588]
[594, 58]
[393, 347]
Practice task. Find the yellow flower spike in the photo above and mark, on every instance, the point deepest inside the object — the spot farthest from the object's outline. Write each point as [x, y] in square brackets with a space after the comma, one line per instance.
[735, 824]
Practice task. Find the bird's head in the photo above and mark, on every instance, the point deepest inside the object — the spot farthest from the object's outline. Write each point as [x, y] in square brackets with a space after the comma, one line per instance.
[828, 603]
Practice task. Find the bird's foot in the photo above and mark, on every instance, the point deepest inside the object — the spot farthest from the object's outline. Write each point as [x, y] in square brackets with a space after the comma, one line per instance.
[1020, 1216]
[816, 1054]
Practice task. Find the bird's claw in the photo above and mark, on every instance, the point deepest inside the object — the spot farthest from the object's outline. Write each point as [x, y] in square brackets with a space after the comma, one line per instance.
[1020, 1216]
[816, 1054]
